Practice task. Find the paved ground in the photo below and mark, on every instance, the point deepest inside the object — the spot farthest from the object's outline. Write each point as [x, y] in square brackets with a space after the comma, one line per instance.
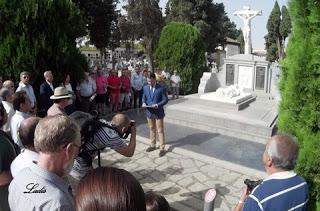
[183, 176]
[195, 162]
[214, 145]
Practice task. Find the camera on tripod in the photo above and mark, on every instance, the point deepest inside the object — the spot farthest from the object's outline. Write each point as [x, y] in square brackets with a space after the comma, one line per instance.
[251, 184]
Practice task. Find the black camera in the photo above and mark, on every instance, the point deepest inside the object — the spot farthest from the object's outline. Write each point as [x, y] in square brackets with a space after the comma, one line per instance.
[251, 184]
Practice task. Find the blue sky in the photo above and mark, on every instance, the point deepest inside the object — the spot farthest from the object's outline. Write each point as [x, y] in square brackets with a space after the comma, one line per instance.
[258, 24]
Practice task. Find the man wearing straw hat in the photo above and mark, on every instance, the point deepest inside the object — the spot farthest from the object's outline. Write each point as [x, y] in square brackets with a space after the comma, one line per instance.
[60, 99]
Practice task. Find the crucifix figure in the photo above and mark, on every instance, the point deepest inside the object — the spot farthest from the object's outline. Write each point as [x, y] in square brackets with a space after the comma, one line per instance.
[246, 15]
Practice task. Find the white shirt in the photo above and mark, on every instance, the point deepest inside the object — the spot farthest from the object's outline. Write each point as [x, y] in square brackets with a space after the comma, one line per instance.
[87, 88]
[175, 79]
[17, 118]
[51, 86]
[29, 90]
[10, 112]
[25, 159]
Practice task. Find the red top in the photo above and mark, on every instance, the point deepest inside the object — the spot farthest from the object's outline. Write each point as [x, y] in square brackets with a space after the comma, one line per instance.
[101, 82]
[113, 84]
[125, 84]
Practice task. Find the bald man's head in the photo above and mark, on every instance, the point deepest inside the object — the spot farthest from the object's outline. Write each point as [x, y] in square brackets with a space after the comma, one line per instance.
[26, 131]
[283, 150]
[120, 120]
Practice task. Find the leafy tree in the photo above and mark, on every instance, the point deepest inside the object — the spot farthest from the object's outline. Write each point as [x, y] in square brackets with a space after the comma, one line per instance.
[102, 15]
[300, 84]
[114, 40]
[181, 48]
[126, 33]
[210, 19]
[37, 35]
[146, 17]
[279, 27]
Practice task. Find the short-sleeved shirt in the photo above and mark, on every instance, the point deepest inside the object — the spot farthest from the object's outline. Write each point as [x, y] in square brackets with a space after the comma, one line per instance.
[125, 84]
[115, 82]
[101, 82]
[29, 90]
[17, 118]
[87, 88]
[7, 155]
[10, 112]
[35, 188]
[137, 81]
[280, 191]
[25, 159]
[104, 137]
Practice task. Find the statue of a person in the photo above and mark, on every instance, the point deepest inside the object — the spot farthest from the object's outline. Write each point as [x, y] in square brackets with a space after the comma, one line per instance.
[246, 15]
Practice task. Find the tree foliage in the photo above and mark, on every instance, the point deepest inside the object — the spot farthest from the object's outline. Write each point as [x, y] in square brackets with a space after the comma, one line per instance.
[300, 90]
[279, 27]
[209, 18]
[146, 17]
[181, 48]
[101, 16]
[37, 35]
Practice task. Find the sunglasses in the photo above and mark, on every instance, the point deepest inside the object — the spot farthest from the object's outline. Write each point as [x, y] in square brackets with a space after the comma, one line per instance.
[25, 77]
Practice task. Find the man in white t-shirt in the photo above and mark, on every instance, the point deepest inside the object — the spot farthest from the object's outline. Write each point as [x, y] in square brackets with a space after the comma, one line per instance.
[175, 84]
[28, 154]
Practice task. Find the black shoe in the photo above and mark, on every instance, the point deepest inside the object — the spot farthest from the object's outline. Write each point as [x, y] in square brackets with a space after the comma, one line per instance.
[150, 149]
[162, 152]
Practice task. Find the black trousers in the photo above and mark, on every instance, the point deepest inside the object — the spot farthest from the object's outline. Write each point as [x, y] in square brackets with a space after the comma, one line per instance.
[137, 95]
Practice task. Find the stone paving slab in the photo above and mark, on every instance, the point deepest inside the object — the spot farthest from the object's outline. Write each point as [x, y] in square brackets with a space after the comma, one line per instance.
[183, 176]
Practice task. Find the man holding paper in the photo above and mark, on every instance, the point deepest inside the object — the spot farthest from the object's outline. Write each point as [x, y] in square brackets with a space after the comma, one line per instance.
[153, 99]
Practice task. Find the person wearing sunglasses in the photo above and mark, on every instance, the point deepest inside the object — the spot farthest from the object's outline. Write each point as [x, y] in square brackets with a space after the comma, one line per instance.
[24, 85]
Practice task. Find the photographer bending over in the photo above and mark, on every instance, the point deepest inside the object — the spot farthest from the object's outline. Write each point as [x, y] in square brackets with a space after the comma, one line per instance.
[97, 135]
[283, 189]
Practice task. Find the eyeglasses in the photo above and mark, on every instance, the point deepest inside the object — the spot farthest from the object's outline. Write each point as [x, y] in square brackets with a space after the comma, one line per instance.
[25, 77]
[74, 144]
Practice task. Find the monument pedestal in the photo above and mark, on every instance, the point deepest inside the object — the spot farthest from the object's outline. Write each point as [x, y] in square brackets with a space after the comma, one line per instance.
[236, 103]
[253, 123]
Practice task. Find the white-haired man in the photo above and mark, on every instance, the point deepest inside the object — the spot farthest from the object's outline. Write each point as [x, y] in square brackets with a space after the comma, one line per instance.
[41, 186]
[283, 189]
[46, 91]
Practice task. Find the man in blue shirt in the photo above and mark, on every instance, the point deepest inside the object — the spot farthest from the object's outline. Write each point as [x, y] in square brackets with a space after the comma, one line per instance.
[283, 189]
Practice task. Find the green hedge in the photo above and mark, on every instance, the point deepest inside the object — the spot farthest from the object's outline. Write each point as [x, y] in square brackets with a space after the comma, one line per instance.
[300, 89]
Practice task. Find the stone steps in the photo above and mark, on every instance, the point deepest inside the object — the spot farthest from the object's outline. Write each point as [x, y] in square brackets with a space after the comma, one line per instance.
[253, 123]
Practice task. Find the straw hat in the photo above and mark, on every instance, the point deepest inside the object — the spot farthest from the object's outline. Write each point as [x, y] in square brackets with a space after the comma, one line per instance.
[60, 93]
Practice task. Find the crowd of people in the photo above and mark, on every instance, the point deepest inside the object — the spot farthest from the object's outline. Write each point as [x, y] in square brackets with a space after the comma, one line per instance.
[46, 162]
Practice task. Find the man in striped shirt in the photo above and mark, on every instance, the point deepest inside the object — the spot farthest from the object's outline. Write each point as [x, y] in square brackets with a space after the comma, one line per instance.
[283, 189]
[111, 136]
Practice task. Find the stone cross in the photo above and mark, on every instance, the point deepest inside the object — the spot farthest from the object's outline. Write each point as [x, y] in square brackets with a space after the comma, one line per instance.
[246, 15]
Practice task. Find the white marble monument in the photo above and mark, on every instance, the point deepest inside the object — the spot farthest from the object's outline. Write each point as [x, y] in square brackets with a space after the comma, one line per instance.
[246, 15]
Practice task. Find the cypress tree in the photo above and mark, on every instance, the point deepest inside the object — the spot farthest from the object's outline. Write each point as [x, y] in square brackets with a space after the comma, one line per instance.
[284, 28]
[300, 90]
[272, 38]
